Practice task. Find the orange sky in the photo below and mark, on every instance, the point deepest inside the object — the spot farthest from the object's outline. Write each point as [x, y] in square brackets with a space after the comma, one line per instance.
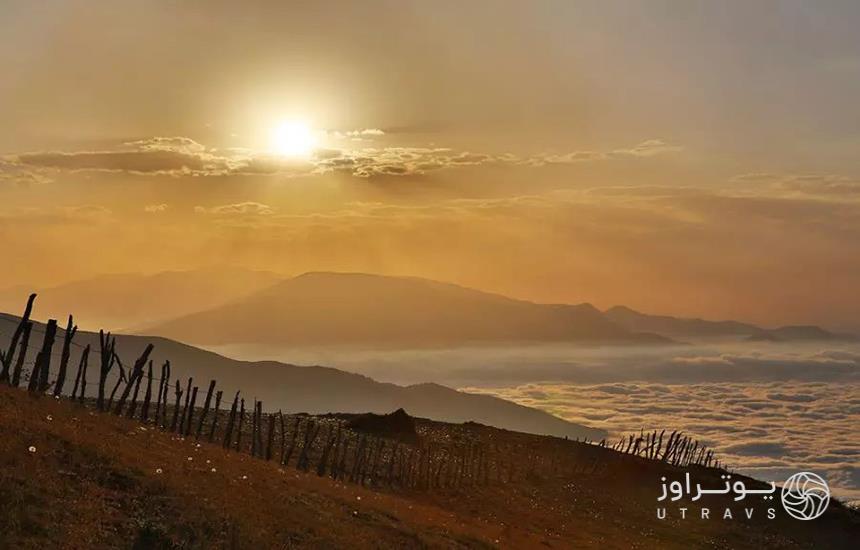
[677, 157]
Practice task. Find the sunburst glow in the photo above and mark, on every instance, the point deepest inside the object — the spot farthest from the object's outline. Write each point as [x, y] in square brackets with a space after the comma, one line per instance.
[293, 138]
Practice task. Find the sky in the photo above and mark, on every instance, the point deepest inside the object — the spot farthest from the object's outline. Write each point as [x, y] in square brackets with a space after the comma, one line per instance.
[686, 158]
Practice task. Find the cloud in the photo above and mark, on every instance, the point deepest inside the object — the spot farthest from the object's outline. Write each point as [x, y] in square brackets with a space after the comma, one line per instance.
[357, 135]
[52, 215]
[140, 162]
[648, 148]
[15, 173]
[827, 185]
[183, 156]
[155, 208]
[769, 438]
[237, 209]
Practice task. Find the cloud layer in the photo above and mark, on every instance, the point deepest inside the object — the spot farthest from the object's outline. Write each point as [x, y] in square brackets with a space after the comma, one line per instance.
[767, 430]
[183, 156]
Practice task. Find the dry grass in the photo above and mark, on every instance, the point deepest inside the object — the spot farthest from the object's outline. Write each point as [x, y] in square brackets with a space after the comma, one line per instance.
[93, 483]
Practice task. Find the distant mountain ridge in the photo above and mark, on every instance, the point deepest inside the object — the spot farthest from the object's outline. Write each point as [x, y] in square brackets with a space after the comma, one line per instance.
[312, 389]
[126, 300]
[225, 306]
[680, 328]
[357, 309]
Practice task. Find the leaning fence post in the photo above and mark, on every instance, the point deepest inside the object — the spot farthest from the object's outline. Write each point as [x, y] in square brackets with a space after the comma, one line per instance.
[147, 397]
[81, 377]
[230, 421]
[122, 378]
[19, 364]
[205, 410]
[42, 366]
[134, 378]
[64, 358]
[132, 407]
[13, 343]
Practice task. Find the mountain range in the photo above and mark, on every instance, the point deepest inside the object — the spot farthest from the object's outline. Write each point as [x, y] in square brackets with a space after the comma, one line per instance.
[685, 328]
[357, 309]
[222, 307]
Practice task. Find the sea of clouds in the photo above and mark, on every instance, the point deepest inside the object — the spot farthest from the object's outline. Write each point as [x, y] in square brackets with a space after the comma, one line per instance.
[766, 430]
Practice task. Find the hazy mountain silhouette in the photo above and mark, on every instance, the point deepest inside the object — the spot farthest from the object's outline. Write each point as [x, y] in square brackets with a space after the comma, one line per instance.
[357, 309]
[313, 389]
[127, 300]
[679, 327]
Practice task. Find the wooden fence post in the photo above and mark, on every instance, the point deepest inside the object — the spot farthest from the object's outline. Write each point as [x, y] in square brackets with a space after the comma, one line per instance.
[19, 364]
[329, 441]
[239, 426]
[64, 358]
[134, 378]
[147, 397]
[81, 377]
[178, 392]
[185, 407]
[165, 378]
[106, 351]
[132, 406]
[230, 421]
[6, 358]
[254, 430]
[215, 414]
[191, 412]
[42, 366]
[283, 436]
[293, 441]
[122, 378]
[205, 410]
[270, 437]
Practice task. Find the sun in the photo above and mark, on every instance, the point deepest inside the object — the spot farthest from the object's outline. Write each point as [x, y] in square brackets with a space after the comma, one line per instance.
[293, 138]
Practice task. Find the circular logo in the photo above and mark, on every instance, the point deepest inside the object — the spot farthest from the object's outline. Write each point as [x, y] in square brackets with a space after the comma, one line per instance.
[805, 495]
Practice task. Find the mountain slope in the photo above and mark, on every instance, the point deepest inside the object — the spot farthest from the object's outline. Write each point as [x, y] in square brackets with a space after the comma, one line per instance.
[100, 481]
[679, 327]
[125, 300]
[352, 309]
[309, 389]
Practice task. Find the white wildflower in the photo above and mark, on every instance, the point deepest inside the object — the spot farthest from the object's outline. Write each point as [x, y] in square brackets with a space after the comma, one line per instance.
[158, 470]
[32, 449]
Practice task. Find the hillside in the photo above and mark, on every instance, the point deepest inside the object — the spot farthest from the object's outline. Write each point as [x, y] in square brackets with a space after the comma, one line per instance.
[353, 309]
[316, 389]
[72, 478]
[126, 300]
[680, 328]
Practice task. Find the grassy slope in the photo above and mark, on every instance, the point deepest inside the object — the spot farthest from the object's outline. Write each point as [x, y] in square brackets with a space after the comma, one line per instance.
[92, 482]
